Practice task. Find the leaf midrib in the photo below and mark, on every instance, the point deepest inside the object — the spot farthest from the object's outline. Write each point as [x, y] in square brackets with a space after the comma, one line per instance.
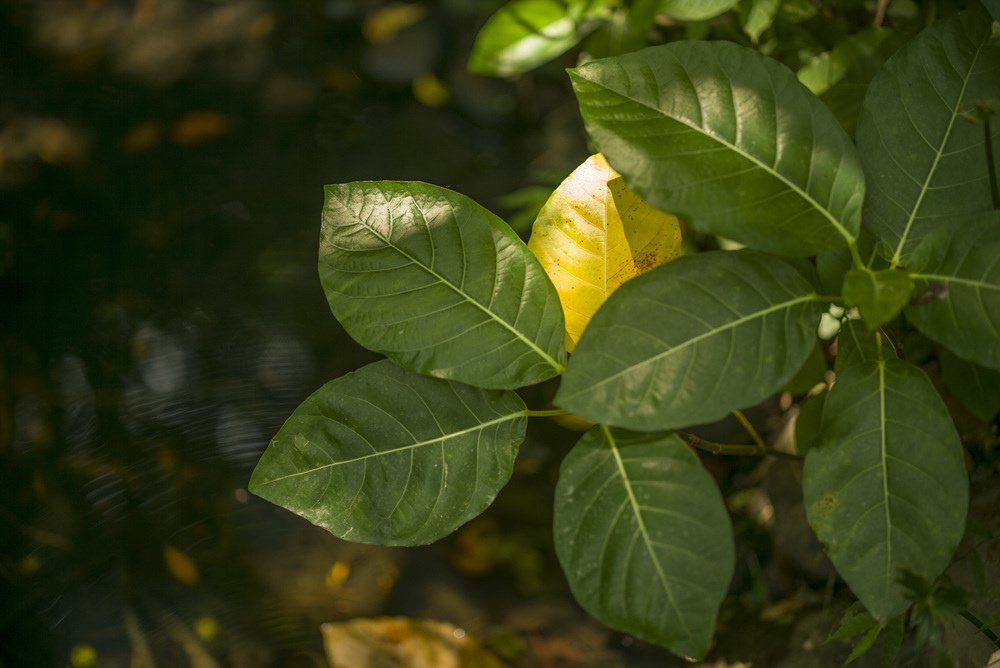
[841, 229]
[884, 461]
[897, 255]
[404, 448]
[643, 531]
[811, 297]
[959, 280]
[551, 361]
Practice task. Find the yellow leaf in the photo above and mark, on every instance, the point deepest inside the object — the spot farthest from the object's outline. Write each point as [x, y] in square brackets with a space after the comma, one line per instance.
[383, 25]
[593, 234]
[180, 565]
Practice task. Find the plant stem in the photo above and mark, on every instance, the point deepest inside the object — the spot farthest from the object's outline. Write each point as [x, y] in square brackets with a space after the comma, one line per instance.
[739, 449]
[975, 621]
[549, 413]
[880, 13]
[748, 426]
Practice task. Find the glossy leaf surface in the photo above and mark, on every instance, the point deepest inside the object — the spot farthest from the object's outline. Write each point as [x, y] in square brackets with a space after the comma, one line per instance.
[879, 295]
[689, 341]
[885, 488]
[644, 538]
[439, 284]
[594, 234]
[964, 280]
[386, 456]
[523, 34]
[729, 140]
[925, 161]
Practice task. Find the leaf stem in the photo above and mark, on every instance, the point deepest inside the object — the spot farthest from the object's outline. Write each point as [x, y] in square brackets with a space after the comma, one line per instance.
[852, 246]
[546, 413]
[751, 431]
[975, 621]
[739, 449]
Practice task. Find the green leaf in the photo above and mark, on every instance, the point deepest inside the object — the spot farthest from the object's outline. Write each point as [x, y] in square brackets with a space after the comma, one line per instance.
[797, 11]
[977, 388]
[385, 456]
[925, 163]
[695, 10]
[825, 70]
[756, 16]
[523, 34]
[810, 375]
[962, 285]
[439, 284]
[885, 489]
[689, 341]
[856, 620]
[879, 295]
[727, 138]
[863, 645]
[856, 345]
[892, 641]
[644, 538]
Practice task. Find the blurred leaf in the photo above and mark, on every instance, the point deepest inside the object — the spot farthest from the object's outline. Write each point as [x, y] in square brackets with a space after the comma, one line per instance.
[808, 422]
[756, 16]
[669, 118]
[395, 642]
[592, 235]
[864, 644]
[430, 91]
[695, 10]
[180, 566]
[892, 641]
[643, 536]
[797, 11]
[827, 69]
[383, 24]
[855, 621]
[388, 457]
[523, 34]
[811, 374]
[198, 127]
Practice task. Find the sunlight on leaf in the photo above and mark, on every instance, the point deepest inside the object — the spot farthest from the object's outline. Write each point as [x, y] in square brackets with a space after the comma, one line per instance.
[594, 234]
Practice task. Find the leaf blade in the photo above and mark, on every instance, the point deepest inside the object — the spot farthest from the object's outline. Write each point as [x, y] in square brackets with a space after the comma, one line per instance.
[592, 235]
[768, 166]
[885, 488]
[372, 465]
[730, 311]
[438, 284]
[664, 498]
[917, 150]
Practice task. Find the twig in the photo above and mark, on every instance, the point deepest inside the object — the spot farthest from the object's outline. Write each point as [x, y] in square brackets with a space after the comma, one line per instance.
[739, 449]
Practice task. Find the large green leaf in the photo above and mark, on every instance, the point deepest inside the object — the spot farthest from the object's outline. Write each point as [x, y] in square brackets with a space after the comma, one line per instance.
[729, 139]
[385, 456]
[643, 536]
[438, 284]
[885, 487]
[963, 281]
[523, 34]
[925, 162]
[689, 341]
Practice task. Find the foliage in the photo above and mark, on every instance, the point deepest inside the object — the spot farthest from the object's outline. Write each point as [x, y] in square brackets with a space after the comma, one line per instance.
[896, 231]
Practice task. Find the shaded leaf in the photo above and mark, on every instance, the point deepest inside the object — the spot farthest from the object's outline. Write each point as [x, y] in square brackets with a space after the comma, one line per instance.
[592, 235]
[643, 535]
[976, 387]
[523, 34]
[885, 487]
[727, 139]
[810, 375]
[856, 620]
[926, 165]
[879, 295]
[756, 16]
[825, 70]
[385, 456]
[695, 10]
[857, 345]
[691, 340]
[964, 281]
[808, 421]
[439, 284]
[863, 645]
